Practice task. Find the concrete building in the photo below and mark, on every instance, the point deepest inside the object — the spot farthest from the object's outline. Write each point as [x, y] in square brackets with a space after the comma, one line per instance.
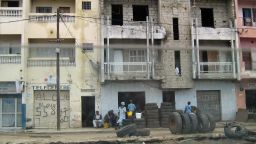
[28, 62]
[214, 57]
[246, 26]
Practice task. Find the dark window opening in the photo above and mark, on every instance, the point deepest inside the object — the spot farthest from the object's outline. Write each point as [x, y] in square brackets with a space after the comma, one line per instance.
[169, 96]
[140, 12]
[43, 9]
[117, 14]
[175, 27]
[247, 59]
[10, 4]
[138, 99]
[251, 100]
[86, 5]
[247, 16]
[177, 62]
[207, 17]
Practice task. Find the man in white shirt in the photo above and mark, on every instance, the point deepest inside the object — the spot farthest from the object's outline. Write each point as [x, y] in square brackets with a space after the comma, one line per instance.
[97, 120]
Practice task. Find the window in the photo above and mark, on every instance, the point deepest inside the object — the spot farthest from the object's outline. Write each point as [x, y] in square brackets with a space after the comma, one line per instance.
[86, 5]
[137, 55]
[207, 17]
[10, 4]
[64, 9]
[249, 16]
[87, 47]
[43, 9]
[247, 59]
[140, 12]
[50, 52]
[117, 14]
[9, 49]
[175, 27]
[177, 62]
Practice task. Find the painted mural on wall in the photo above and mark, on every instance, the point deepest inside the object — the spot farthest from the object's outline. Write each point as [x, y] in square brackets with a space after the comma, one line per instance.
[45, 109]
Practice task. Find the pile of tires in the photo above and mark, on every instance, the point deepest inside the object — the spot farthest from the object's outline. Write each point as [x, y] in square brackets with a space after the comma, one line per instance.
[152, 115]
[185, 123]
[140, 123]
[164, 112]
[132, 130]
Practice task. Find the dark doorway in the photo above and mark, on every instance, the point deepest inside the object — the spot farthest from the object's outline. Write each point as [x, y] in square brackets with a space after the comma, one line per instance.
[138, 99]
[205, 59]
[117, 14]
[207, 17]
[88, 110]
[140, 12]
[169, 96]
[251, 100]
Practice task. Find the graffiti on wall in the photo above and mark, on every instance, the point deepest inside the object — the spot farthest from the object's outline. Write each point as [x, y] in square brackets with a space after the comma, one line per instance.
[45, 109]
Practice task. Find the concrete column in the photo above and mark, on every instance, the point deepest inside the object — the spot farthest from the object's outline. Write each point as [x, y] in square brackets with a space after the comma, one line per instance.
[102, 50]
[233, 50]
[198, 52]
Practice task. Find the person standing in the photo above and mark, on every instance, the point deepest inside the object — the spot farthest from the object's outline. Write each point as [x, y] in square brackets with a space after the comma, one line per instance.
[188, 108]
[131, 108]
[122, 113]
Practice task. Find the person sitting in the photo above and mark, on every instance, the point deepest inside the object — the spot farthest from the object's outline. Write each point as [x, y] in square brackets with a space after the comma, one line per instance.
[97, 120]
[110, 118]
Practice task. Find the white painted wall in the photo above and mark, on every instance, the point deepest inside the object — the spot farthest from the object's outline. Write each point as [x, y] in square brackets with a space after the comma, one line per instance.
[109, 93]
[228, 96]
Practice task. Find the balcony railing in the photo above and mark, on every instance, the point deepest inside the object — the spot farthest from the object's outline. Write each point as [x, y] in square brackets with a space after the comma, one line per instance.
[10, 59]
[48, 62]
[10, 11]
[126, 67]
[216, 67]
[51, 17]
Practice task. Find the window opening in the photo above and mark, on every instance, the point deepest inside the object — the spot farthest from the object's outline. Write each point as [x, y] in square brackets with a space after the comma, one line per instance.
[207, 17]
[86, 5]
[140, 12]
[43, 9]
[175, 25]
[177, 62]
[117, 14]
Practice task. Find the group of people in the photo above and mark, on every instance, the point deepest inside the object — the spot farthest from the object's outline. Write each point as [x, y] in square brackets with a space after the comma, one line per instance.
[111, 118]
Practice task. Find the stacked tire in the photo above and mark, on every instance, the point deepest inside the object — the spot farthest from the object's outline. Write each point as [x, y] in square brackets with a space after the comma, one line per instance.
[185, 123]
[165, 110]
[132, 130]
[140, 123]
[152, 115]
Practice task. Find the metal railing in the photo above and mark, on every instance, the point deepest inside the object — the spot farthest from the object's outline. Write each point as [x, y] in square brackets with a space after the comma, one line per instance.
[10, 59]
[11, 11]
[51, 17]
[48, 62]
[216, 67]
[126, 67]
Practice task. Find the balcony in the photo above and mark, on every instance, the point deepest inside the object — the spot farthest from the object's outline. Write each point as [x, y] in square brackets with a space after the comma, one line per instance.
[208, 33]
[10, 59]
[132, 30]
[127, 70]
[246, 27]
[10, 11]
[50, 17]
[216, 70]
[49, 62]
[10, 65]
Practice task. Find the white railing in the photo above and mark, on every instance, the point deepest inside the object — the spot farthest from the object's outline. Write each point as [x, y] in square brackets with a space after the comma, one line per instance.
[216, 67]
[10, 59]
[126, 67]
[51, 17]
[48, 62]
[11, 11]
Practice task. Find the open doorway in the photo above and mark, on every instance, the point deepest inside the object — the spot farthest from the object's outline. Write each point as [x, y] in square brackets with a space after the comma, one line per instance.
[138, 99]
[169, 96]
[117, 14]
[140, 12]
[207, 17]
[205, 59]
[88, 110]
[251, 100]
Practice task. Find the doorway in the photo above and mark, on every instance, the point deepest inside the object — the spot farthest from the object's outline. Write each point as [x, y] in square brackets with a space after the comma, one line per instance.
[207, 17]
[138, 99]
[169, 96]
[117, 14]
[88, 110]
[251, 100]
[205, 59]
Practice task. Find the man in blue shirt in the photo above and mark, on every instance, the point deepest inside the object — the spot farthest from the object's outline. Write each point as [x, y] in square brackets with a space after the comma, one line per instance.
[131, 107]
[188, 108]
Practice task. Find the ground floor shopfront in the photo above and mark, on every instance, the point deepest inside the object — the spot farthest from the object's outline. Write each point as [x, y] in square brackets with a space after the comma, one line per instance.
[215, 97]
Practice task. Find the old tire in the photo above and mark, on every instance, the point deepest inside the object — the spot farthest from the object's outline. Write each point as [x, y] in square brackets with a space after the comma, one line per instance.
[175, 123]
[212, 122]
[194, 122]
[236, 131]
[203, 123]
[186, 125]
[126, 130]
